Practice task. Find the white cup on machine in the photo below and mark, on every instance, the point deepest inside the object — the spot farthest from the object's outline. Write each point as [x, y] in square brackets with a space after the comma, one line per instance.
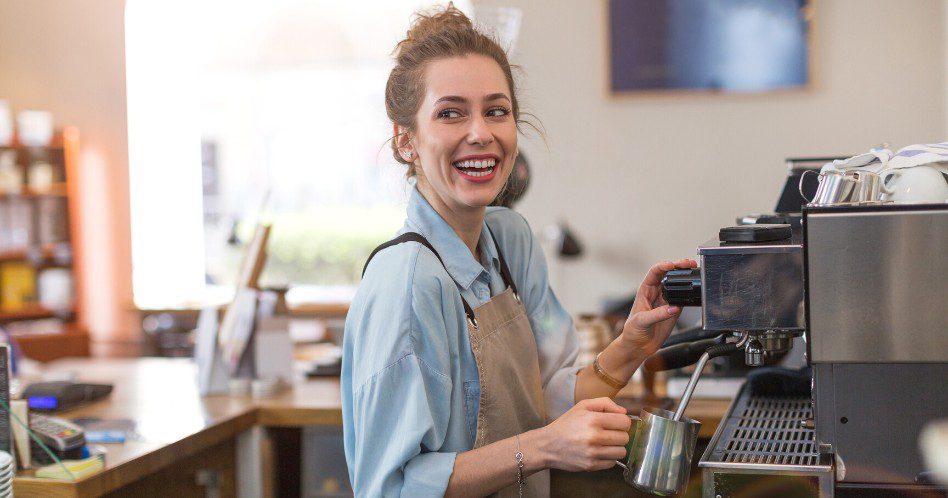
[922, 183]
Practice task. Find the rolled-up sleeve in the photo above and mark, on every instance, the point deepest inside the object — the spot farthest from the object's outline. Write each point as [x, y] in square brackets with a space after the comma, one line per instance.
[397, 426]
[398, 395]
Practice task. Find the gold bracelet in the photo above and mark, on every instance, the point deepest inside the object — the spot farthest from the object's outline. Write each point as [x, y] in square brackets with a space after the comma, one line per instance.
[608, 379]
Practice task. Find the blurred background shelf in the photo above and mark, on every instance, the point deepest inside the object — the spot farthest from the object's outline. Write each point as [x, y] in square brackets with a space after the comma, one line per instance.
[54, 190]
[55, 252]
[48, 347]
[32, 312]
[39, 280]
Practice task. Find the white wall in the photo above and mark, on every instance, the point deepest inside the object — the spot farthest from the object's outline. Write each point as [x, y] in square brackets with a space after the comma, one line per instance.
[641, 180]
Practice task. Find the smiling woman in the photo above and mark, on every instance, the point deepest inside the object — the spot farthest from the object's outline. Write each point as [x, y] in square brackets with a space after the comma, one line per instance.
[455, 343]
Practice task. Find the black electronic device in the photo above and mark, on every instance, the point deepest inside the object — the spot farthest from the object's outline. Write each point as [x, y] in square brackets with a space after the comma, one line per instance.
[795, 220]
[62, 395]
[6, 432]
[331, 369]
[64, 438]
[755, 233]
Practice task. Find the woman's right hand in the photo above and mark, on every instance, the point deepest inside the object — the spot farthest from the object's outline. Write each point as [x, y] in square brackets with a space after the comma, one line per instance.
[590, 436]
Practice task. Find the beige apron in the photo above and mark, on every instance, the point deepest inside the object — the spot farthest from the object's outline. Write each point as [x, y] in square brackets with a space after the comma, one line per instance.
[511, 400]
[505, 350]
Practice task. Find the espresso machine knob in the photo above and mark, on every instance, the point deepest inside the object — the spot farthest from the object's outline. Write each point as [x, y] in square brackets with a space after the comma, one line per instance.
[682, 287]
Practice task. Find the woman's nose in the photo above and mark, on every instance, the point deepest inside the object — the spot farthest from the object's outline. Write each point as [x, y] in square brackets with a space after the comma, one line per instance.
[479, 132]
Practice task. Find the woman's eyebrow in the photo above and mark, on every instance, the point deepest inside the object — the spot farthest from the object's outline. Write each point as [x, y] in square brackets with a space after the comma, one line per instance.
[462, 100]
[451, 98]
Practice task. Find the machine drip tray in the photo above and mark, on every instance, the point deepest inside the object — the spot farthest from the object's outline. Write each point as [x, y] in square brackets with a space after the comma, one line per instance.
[762, 448]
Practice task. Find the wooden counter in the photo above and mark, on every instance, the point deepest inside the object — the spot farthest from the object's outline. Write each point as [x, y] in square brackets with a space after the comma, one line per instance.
[173, 420]
[177, 425]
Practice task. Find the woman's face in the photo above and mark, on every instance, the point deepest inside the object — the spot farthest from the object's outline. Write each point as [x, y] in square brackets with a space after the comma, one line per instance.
[466, 138]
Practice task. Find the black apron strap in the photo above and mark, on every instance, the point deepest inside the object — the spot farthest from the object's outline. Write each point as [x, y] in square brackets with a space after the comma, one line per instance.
[504, 271]
[417, 237]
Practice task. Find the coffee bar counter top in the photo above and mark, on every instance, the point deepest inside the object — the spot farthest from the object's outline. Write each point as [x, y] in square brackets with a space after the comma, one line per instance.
[174, 423]
[172, 420]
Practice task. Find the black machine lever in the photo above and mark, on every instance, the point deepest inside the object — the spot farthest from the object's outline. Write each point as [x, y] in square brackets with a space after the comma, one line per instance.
[679, 355]
[690, 335]
[682, 287]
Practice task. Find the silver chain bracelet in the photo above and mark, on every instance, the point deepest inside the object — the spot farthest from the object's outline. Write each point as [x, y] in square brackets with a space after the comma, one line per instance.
[519, 457]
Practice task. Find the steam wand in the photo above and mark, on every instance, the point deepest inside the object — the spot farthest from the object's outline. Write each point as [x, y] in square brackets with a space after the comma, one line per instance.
[712, 352]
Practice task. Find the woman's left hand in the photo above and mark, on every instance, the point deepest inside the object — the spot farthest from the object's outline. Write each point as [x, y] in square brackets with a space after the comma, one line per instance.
[652, 319]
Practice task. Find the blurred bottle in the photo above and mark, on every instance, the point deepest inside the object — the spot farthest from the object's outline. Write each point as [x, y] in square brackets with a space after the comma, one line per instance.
[11, 177]
[594, 335]
[35, 128]
[6, 124]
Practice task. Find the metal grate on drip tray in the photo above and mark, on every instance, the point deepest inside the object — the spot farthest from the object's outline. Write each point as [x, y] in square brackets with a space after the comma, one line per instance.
[768, 431]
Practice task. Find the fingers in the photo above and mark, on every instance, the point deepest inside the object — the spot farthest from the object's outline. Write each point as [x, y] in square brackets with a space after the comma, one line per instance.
[612, 438]
[643, 320]
[604, 405]
[613, 421]
[603, 457]
[686, 263]
[604, 464]
[609, 453]
[658, 270]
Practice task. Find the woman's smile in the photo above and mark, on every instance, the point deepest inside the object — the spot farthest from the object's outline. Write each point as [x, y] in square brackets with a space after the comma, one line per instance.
[477, 169]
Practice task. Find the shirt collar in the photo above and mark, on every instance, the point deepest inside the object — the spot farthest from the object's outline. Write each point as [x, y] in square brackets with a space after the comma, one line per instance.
[489, 247]
[457, 258]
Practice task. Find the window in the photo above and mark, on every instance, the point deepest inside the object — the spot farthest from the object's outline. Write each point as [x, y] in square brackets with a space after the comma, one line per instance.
[245, 111]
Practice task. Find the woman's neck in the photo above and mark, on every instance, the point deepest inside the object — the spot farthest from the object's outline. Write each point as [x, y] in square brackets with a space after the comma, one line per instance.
[466, 221]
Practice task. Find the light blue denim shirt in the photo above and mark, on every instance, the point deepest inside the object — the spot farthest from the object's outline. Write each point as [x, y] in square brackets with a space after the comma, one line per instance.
[410, 389]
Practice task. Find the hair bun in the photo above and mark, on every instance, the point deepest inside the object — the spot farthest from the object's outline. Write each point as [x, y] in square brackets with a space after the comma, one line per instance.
[440, 21]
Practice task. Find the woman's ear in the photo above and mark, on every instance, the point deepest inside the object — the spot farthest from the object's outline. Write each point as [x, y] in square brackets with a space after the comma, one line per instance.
[403, 143]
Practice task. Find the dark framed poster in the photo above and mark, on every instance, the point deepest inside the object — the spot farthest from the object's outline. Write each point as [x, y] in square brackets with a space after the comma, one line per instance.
[709, 45]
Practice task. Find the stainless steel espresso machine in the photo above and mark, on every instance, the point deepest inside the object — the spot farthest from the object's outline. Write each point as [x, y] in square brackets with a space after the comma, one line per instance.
[866, 287]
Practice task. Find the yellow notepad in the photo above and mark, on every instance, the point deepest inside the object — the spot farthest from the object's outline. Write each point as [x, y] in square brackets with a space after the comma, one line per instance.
[79, 468]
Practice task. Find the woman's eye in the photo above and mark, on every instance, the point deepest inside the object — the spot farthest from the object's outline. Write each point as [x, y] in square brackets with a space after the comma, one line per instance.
[449, 114]
[498, 112]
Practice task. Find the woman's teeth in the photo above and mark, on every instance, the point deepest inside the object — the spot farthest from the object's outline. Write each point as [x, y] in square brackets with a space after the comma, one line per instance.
[476, 168]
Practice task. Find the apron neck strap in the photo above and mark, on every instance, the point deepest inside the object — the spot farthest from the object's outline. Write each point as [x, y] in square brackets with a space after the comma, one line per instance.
[504, 270]
[417, 237]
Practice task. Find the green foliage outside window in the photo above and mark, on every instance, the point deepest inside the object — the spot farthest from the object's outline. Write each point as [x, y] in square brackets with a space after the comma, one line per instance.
[324, 245]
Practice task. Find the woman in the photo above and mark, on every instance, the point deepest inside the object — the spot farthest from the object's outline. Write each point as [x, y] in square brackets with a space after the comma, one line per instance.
[458, 374]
